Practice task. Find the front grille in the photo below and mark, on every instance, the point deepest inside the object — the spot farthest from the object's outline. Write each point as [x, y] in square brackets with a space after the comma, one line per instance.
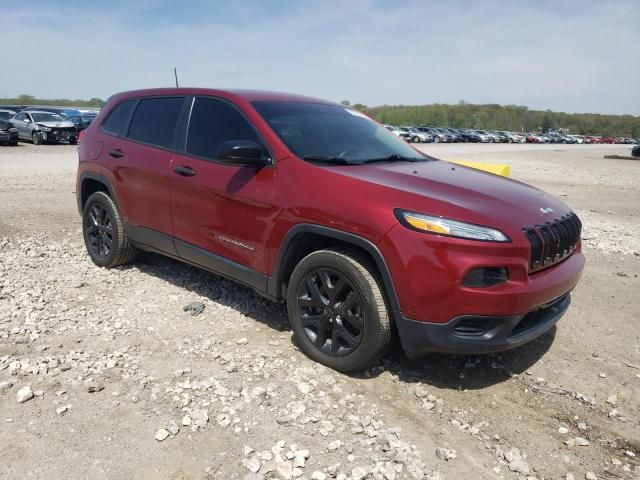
[552, 242]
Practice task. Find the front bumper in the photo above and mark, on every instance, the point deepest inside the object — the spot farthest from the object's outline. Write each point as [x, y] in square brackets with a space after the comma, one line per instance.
[471, 334]
[60, 135]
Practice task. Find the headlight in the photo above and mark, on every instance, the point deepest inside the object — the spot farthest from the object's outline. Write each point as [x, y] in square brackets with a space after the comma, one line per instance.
[44, 129]
[448, 227]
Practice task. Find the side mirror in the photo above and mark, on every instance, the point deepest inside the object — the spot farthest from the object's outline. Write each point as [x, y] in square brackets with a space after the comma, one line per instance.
[27, 120]
[242, 153]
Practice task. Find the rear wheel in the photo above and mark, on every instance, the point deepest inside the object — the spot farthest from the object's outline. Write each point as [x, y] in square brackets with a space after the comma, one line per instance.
[337, 310]
[104, 234]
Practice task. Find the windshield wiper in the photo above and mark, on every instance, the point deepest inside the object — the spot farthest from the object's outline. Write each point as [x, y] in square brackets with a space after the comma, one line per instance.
[328, 159]
[393, 158]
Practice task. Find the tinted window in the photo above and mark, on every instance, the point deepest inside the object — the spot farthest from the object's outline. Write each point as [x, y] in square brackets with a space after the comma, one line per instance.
[213, 122]
[21, 116]
[118, 116]
[155, 119]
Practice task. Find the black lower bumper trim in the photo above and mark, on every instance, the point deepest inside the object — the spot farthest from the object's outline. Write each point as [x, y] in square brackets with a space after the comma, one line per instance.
[471, 334]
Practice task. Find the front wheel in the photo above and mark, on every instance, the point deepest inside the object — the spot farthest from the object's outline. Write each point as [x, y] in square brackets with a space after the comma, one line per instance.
[37, 138]
[416, 139]
[337, 310]
[436, 139]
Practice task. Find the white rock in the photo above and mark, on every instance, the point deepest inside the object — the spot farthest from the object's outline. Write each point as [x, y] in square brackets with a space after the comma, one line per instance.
[563, 430]
[285, 470]
[317, 475]
[24, 394]
[358, 473]
[445, 454]
[582, 442]
[247, 450]
[61, 410]
[590, 476]
[518, 465]
[612, 399]
[161, 435]
[186, 421]
[242, 341]
[334, 445]
[253, 464]
[5, 386]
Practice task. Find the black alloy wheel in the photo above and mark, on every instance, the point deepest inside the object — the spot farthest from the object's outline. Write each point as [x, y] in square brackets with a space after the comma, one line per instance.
[331, 312]
[99, 228]
[104, 233]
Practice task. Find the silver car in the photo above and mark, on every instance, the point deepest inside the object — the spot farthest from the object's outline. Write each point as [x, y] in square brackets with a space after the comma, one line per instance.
[40, 127]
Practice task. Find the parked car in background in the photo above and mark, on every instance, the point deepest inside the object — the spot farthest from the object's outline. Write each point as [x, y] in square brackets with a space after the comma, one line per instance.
[8, 133]
[81, 121]
[398, 131]
[635, 151]
[456, 137]
[13, 108]
[41, 126]
[418, 136]
[438, 134]
[6, 114]
[469, 135]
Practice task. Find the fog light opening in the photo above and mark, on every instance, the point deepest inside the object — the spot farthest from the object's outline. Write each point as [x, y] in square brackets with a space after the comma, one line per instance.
[485, 277]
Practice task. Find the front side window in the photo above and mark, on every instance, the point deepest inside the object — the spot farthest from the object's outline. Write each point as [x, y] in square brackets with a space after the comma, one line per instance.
[319, 132]
[214, 122]
[118, 116]
[154, 121]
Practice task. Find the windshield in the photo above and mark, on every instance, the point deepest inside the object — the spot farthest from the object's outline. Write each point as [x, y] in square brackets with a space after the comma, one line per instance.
[318, 131]
[5, 115]
[47, 117]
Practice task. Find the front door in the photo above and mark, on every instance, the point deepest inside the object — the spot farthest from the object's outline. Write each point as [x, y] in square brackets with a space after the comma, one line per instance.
[220, 209]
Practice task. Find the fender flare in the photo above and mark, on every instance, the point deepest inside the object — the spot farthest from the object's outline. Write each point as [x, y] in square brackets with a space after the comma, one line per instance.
[275, 281]
[99, 178]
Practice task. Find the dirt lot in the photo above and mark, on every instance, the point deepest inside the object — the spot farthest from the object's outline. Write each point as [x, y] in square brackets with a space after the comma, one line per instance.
[126, 384]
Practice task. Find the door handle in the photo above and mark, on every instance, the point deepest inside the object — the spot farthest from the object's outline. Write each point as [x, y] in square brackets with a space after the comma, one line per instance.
[116, 153]
[184, 171]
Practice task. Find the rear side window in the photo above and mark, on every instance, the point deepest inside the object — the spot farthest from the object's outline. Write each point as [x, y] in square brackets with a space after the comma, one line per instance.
[154, 121]
[213, 122]
[118, 116]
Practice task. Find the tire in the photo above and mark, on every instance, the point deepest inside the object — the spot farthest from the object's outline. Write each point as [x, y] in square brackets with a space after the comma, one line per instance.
[37, 139]
[347, 327]
[436, 139]
[73, 140]
[415, 139]
[107, 242]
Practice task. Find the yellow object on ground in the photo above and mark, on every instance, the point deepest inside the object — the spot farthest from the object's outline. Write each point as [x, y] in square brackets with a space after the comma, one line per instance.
[495, 168]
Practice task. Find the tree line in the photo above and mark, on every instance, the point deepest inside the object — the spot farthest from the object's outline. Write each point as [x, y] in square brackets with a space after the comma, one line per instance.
[514, 118]
[58, 102]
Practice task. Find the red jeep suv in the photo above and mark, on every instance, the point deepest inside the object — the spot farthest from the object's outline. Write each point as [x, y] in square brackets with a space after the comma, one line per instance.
[314, 204]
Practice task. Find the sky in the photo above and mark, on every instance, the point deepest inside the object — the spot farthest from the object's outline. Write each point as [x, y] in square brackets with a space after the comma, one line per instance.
[564, 55]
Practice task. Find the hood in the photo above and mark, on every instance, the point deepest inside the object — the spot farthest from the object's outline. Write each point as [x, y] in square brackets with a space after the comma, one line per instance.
[461, 193]
[56, 124]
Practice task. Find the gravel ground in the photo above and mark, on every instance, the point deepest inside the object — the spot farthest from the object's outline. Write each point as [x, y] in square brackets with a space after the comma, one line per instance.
[103, 374]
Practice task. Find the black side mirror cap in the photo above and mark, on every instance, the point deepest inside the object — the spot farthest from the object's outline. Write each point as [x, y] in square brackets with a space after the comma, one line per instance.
[243, 153]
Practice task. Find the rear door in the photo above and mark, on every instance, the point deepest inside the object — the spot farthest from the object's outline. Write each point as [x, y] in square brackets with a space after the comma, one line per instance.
[221, 209]
[139, 162]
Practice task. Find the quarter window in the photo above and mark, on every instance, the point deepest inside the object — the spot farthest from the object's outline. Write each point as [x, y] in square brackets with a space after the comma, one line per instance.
[154, 120]
[213, 122]
[118, 116]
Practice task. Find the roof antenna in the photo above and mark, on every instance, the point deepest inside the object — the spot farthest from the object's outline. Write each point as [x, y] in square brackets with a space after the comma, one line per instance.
[175, 74]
